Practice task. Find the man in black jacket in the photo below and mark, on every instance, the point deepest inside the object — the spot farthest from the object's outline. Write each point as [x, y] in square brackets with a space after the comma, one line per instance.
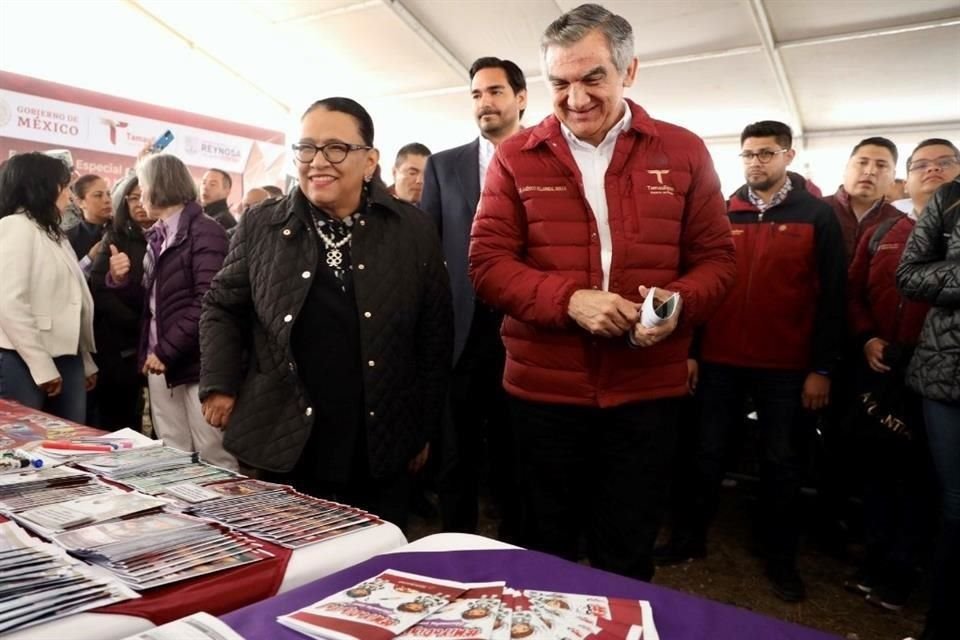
[214, 191]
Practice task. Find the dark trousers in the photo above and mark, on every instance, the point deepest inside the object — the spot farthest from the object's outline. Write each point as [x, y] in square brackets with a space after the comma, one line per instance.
[482, 434]
[898, 487]
[601, 474]
[776, 395]
[943, 433]
[17, 384]
[119, 395]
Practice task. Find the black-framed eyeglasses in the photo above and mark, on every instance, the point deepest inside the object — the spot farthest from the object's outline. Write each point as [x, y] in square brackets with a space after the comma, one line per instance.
[334, 152]
[764, 156]
[944, 164]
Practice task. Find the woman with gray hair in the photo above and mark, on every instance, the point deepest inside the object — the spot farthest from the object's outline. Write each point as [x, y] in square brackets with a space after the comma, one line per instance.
[185, 249]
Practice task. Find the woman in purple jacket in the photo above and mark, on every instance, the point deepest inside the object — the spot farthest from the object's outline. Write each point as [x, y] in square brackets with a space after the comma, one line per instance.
[185, 249]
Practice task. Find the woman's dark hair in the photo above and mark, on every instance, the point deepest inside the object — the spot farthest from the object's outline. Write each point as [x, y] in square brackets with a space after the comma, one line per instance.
[123, 223]
[82, 185]
[33, 182]
[349, 107]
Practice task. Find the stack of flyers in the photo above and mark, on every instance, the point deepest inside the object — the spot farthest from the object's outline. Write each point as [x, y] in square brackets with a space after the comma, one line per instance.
[155, 482]
[30, 479]
[161, 549]
[130, 462]
[199, 626]
[279, 514]
[23, 500]
[54, 518]
[472, 615]
[576, 616]
[38, 582]
[377, 609]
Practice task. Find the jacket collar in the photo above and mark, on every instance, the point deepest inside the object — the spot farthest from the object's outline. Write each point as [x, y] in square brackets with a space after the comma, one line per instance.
[190, 212]
[295, 204]
[740, 201]
[549, 129]
[216, 208]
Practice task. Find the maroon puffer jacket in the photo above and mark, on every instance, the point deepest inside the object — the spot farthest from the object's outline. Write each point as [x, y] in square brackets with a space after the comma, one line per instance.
[534, 243]
[876, 308]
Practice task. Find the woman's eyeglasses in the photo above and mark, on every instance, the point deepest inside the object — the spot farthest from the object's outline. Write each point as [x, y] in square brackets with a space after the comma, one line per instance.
[334, 152]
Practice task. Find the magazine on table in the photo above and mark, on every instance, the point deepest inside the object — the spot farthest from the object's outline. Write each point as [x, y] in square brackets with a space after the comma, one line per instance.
[39, 582]
[377, 609]
[491, 611]
[120, 538]
[122, 464]
[279, 514]
[55, 518]
[199, 626]
[471, 615]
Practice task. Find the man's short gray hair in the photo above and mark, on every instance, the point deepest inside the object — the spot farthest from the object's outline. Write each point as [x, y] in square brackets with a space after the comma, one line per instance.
[166, 181]
[576, 24]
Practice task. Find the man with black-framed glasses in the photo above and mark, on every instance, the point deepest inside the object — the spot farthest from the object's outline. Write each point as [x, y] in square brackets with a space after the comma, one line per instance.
[776, 338]
[933, 163]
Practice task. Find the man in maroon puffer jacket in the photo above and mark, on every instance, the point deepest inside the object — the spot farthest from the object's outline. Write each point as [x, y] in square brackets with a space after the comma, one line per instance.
[896, 496]
[579, 216]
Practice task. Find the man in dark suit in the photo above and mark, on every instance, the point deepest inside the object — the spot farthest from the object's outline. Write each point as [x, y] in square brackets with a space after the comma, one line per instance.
[451, 189]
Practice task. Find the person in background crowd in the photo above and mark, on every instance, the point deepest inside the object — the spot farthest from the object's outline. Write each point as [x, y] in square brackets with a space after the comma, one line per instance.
[326, 337]
[185, 249]
[215, 188]
[580, 217]
[776, 338]
[408, 172]
[859, 205]
[860, 202]
[929, 272]
[46, 310]
[887, 326]
[896, 191]
[932, 164]
[273, 190]
[252, 197]
[92, 196]
[478, 404]
[117, 313]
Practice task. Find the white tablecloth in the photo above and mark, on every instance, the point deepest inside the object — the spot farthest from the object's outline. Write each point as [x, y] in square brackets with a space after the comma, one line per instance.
[454, 542]
[306, 564]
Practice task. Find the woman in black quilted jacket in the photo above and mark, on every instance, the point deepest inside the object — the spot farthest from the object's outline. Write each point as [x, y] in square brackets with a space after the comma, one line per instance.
[930, 271]
[326, 339]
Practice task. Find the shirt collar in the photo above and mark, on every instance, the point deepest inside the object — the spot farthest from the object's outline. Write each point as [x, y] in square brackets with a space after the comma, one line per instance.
[777, 198]
[622, 125]
[487, 148]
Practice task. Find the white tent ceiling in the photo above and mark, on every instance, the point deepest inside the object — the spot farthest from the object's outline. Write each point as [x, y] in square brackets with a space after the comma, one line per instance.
[830, 68]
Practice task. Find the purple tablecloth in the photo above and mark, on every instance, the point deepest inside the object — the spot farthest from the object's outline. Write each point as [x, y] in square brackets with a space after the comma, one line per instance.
[678, 616]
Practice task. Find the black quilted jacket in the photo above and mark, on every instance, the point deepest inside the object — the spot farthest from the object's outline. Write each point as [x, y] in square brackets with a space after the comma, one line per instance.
[930, 271]
[406, 322]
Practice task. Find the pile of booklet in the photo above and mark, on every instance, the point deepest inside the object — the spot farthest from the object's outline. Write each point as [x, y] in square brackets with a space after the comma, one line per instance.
[48, 485]
[54, 518]
[277, 513]
[396, 604]
[132, 462]
[161, 548]
[39, 582]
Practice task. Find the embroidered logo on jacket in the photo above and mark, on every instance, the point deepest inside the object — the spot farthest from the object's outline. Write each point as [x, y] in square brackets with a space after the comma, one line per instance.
[538, 187]
[659, 188]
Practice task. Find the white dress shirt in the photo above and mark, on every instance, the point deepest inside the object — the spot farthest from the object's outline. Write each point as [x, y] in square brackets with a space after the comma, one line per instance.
[593, 163]
[487, 149]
